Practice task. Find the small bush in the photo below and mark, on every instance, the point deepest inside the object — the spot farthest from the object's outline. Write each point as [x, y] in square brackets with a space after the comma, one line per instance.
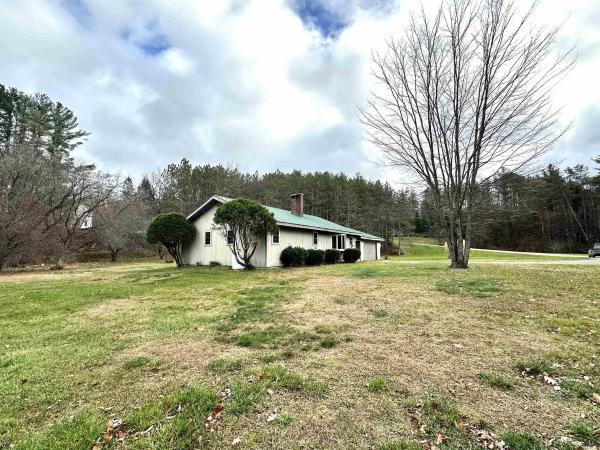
[293, 256]
[314, 257]
[332, 256]
[172, 230]
[351, 255]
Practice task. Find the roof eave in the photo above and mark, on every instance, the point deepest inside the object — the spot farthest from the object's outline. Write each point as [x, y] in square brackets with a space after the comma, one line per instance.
[329, 230]
[198, 211]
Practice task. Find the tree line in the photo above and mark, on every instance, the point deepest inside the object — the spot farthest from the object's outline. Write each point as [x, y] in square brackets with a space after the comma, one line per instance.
[52, 206]
[47, 198]
[355, 202]
[553, 211]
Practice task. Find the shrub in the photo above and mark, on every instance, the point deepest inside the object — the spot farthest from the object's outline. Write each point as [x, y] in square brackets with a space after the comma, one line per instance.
[171, 230]
[314, 257]
[351, 255]
[245, 221]
[293, 256]
[331, 256]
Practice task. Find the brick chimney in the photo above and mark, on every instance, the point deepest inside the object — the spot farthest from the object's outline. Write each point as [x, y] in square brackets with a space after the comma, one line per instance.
[297, 205]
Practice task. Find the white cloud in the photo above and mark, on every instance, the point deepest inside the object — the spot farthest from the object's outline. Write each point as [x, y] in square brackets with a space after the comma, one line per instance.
[242, 81]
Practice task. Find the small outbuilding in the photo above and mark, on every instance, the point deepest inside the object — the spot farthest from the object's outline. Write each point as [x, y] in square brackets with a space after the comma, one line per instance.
[296, 229]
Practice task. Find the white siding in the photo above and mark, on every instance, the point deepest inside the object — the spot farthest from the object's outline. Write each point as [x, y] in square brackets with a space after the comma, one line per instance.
[267, 254]
[369, 251]
[295, 237]
[197, 253]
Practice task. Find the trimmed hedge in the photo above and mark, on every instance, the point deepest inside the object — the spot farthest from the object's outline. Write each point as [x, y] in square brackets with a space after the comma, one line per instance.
[314, 257]
[293, 256]
[351, 255]
[332, 256]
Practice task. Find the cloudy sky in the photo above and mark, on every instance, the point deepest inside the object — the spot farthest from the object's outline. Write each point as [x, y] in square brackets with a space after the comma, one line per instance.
[259, 84]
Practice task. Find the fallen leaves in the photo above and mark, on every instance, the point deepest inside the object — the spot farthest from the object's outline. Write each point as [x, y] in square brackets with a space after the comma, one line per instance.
[215, 417]
[115, 431]
[555, 382]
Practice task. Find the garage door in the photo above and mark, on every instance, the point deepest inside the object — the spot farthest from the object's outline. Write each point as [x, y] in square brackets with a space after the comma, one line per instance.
[370, 251]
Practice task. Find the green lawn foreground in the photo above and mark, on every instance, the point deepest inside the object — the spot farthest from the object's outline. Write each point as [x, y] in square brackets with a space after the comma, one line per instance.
[369, 355]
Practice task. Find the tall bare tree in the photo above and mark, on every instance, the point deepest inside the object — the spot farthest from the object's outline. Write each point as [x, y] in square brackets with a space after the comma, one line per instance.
[23, 192]
[465, 93]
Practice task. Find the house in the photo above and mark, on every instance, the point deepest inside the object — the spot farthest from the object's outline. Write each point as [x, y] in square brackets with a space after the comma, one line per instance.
[295, 229]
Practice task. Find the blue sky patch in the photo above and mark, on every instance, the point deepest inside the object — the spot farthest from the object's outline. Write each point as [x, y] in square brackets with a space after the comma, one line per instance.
[148, 39]
[316, 15]
[155, 44]
[80, 11]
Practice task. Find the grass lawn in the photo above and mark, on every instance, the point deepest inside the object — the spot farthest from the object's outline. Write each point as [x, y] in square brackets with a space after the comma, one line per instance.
[394, 354]
[422, 248]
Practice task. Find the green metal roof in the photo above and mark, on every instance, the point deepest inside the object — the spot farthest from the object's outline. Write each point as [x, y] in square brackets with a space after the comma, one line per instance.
[285, 217]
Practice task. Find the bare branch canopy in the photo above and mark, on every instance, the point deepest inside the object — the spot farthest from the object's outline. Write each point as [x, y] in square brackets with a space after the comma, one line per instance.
[464, 94]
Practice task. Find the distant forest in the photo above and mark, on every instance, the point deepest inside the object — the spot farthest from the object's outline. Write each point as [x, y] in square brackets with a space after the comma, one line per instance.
[354, 201]
[554, 211]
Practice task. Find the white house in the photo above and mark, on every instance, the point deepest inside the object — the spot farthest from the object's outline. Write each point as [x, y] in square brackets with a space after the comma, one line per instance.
[295, 228]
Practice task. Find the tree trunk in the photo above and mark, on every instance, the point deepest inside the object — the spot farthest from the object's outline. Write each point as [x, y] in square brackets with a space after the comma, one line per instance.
[60, 263]
[457, 246]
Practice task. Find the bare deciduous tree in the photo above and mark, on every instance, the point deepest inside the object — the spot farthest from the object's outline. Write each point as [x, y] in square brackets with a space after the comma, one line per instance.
[79, 193]
[464, 94]
[22, 195]
[119, 224]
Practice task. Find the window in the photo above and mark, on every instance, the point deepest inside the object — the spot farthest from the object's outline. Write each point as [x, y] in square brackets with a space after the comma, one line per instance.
[230, 237]
[207, 237]
[275, 237]
[338, 242]
[315, 238]
[357, 243]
